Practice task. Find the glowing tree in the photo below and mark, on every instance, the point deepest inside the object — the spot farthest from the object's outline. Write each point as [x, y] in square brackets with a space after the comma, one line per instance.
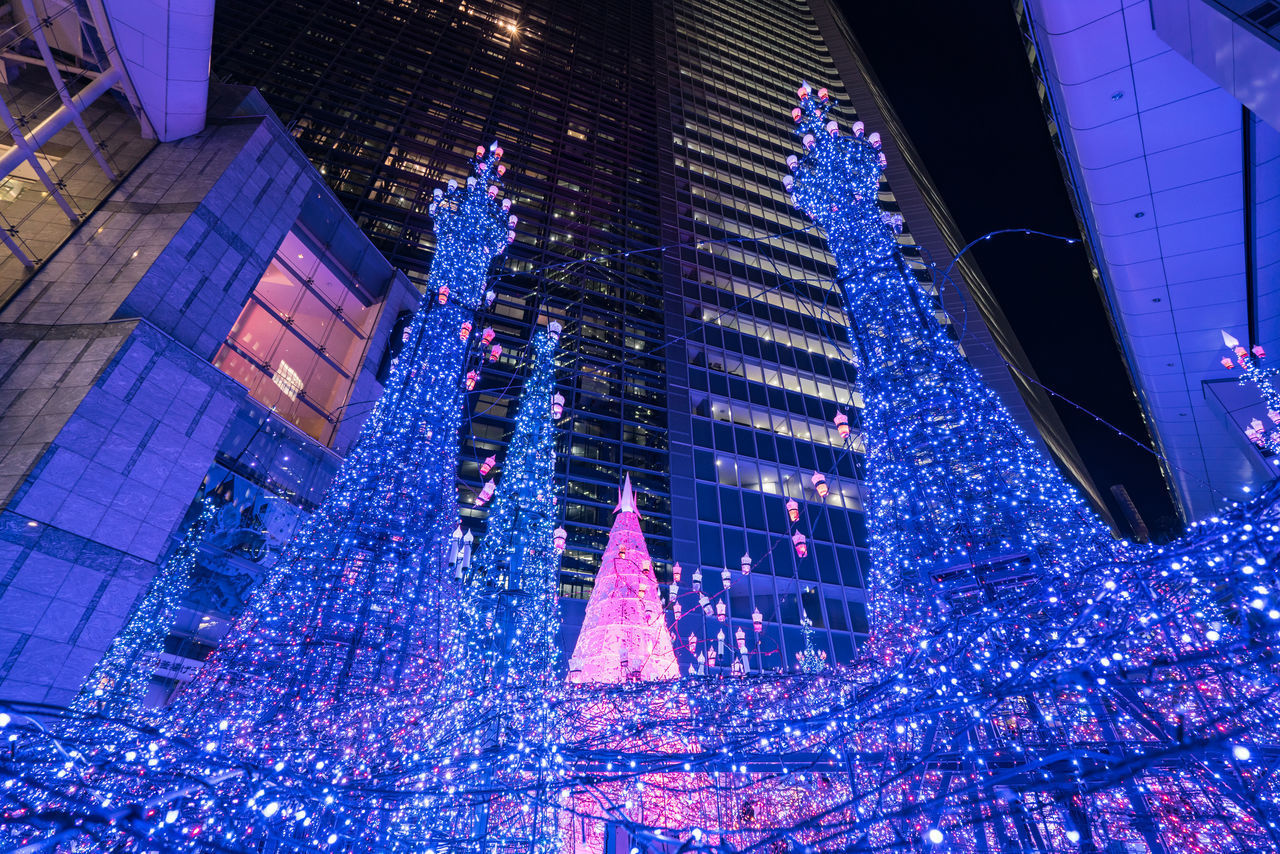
[503, 658]
[118, 684]
[958, 493]
[624, 635]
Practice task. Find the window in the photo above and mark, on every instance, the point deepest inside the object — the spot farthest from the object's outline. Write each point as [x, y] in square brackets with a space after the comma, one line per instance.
[300, 339]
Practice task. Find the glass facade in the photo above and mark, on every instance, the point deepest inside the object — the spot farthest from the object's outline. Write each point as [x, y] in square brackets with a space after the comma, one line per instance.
[301, 337]
[705, 345]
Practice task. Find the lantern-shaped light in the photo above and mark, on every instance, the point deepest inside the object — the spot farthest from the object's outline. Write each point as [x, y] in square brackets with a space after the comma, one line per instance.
[1274, 416]
[464, 331]
[757, 621]
[819, 481]
[558, 537]
[697, 579]
[795, 114]
[1227, 363]
[495, 352]
[874, 139]
[842, 424]
[502, 169]
[693, 643]
[802, 547]
[488, 464]
[641, 590]
[489, 297]
[822, 93]
[496, 149]
[622, 552]
[553, 328]
[675, 573]
[472, 377]
[809, 141]
[859, 128]
[442, 294]
[882, 160]
[557, 405]
[706, 604]
[479, 151]
[833, 127]
[1259, 352]
[675, 610]
[711, 656]
[792, 162]
[788, 183]
[793, 510]
[725, 578]
[487, 336]
[486, 492]
[741, 637]
[493, 191]
[745, 564]
[720, 611]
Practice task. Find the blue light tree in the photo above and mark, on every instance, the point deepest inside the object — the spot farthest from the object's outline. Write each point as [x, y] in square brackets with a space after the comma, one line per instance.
[959, 496]
[503, 660]
[304, 724]
[117, 686]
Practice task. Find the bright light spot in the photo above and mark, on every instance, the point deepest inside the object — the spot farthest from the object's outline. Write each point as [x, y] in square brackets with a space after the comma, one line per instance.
[1073, 836]
[935, 836]
[1240, 752]
[271, 809]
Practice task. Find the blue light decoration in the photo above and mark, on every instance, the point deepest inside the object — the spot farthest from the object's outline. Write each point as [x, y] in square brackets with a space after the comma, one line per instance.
[1031, 684]
[957, 492]
[1263, 377]
[318, 684]
[117, 686]
[503, 661]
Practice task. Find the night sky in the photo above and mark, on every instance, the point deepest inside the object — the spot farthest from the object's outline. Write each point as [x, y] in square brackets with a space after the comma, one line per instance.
[958, 77]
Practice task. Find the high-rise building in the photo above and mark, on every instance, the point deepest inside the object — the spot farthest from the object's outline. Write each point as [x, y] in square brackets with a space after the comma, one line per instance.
[705, 344]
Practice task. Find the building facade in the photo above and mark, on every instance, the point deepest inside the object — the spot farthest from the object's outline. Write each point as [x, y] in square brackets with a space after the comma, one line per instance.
[1164, 116]
[213, 326]
[706, 351]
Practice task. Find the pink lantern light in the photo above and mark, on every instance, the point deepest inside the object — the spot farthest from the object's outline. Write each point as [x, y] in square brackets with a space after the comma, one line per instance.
[793, 510]
[819, 481]
[842, 424]
[486, 493]
[802, 547]
[557, 405]
[495, 352]
[745, 565]
[472, 377]
[558, 538]
[757, 621]
[487, 335]
[464, 331]
[488, 464]
[442, 294]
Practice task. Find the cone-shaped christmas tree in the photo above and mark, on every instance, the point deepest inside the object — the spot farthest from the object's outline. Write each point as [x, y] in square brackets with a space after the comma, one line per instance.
[624, 635]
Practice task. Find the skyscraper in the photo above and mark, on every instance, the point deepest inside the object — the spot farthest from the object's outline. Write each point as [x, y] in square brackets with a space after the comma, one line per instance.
[704, 341]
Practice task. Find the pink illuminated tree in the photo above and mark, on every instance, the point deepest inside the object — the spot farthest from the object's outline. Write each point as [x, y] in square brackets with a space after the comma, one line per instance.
[624, 635]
